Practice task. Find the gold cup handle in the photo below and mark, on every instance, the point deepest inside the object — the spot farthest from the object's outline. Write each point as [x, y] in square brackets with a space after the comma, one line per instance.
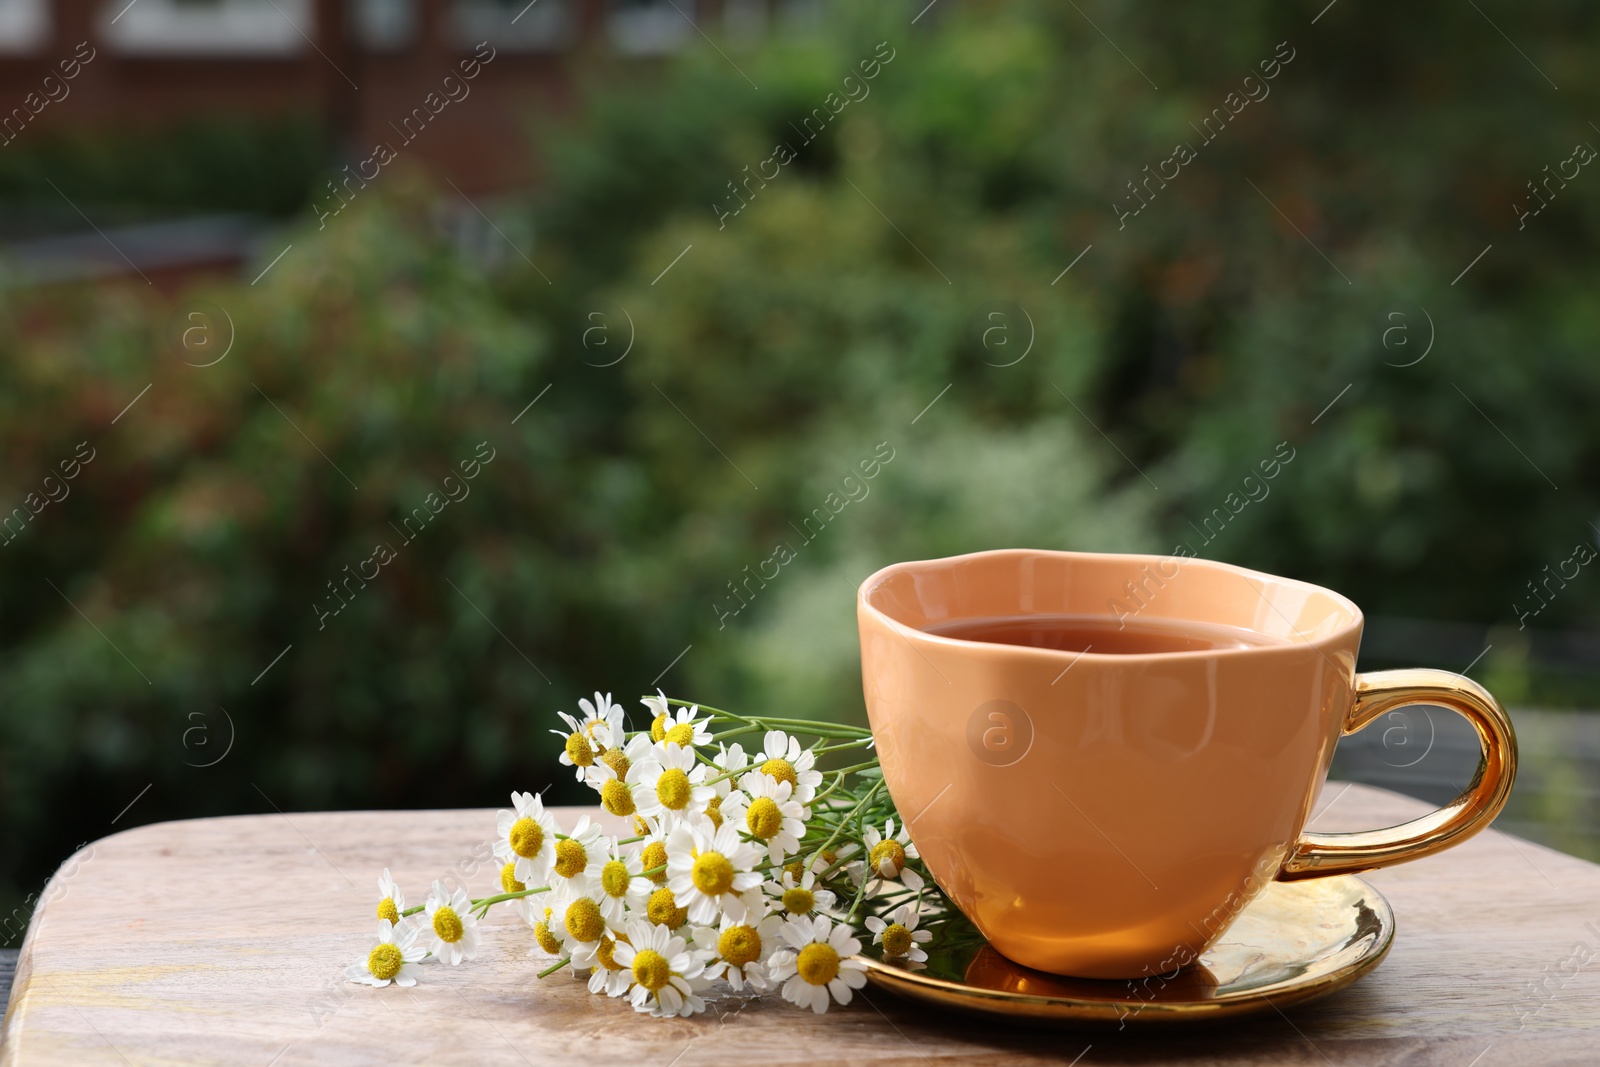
[1316, 855]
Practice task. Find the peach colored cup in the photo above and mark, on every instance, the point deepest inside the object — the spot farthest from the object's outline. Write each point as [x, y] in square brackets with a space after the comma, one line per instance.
[1108, 816]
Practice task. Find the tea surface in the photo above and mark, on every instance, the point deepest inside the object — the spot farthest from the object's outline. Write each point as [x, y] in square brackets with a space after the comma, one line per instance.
[1102, 634]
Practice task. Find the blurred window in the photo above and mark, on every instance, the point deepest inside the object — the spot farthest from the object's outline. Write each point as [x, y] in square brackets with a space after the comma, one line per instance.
[650, 27]
[803, 15]
[265, 28]
[384, 25]
[514, 25]
[24, 25]
[744, 21]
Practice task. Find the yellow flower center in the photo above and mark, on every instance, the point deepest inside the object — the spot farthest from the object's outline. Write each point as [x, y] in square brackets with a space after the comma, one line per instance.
[662, 909]
[650, 969]
[712, 874]
[614, 878]
[613, 758]
[583, 919]
[818, 963]
[617, 798]
[673, 789]
[781, 770]
[526, 837]
[658, 727]
[896, 940]
[764, 818]
[890, 850]
[714, 812]
[799, 900]
[739, 945]
[508, 879]
[607, 953]
[387, 910]
[546, 939]
[579, 750]
[384, 961]
[681, 734]
[447, 924]
[653, 856]
[571, 858]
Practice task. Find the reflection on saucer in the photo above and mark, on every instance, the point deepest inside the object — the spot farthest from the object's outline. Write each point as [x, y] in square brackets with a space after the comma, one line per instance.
[1294, 942]
[990, 970]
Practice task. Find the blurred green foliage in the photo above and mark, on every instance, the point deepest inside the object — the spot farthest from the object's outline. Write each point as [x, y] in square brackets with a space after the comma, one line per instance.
[847, 308]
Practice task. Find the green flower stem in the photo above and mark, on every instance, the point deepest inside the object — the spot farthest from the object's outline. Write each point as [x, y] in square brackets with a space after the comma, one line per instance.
[736, 732]
[725, 775]
[843, 771]
[483, 906]
[866, 879]
[485, 902]
[817, 800]
[835, 835]
[844, 745]
[553, 968]
[807, 726]
[856, 767]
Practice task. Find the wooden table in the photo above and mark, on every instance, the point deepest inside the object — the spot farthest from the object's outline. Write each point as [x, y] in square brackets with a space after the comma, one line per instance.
[225, 940]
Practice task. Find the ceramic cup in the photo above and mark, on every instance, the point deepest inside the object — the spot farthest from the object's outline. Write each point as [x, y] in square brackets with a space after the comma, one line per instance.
[1107, 815]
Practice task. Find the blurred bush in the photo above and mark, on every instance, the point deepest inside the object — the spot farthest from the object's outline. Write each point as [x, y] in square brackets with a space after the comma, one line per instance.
[845, 314]
[241, 164]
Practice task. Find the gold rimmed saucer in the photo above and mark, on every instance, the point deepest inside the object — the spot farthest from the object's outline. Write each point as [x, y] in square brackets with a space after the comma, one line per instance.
[1295, 942]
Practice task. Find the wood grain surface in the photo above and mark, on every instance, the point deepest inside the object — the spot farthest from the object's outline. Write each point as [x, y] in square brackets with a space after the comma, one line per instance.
[223, 941]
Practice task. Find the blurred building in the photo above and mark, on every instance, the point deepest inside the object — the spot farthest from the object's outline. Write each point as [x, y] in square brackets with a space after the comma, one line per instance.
[363, 64]
[365, 68]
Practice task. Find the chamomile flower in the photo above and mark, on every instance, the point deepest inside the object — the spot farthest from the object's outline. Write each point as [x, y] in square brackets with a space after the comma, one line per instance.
[899, 936]
[452, 926]
[620, 794]
[509, 882]
[603, 720]
[730, 761]
[800, 897]
[820, 960]
[886, 859]
[391, 901]
[678, 727]
[710, 872]
[620, 755]
[542, 917]
[580, 926]
[526, 838]
[653, 854]
[657, 706]
[665, 976]
[395, 958]
[783, 759]
[609, 976]
[738, 951]
[662, 909]
[769, 814]
[616, 879]
[674, 788]
[573, 855]
[588, 738]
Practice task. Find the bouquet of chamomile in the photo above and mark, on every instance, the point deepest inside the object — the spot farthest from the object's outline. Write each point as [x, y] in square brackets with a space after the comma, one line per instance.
[754, 861]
